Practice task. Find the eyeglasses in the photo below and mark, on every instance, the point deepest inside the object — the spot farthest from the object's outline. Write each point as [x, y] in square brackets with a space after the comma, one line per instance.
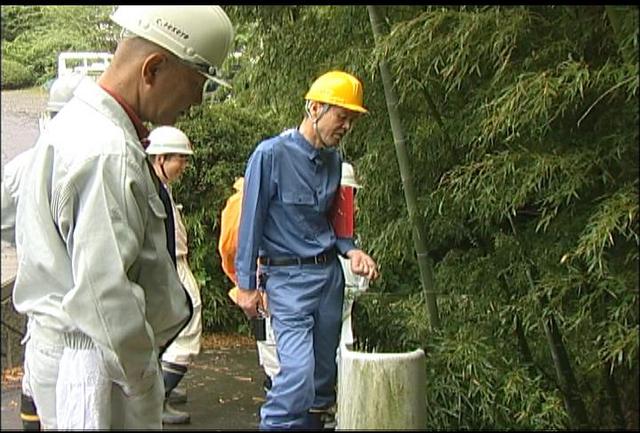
[209, 86]
[180, 156]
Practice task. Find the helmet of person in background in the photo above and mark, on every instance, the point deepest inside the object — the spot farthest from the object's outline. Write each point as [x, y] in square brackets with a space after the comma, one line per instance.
[338, 88]
[201, 36]
[349, 176]
[61, 92]
[167, 139]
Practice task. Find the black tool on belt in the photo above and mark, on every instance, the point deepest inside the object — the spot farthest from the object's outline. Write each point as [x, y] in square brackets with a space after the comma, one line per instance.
[288, 261]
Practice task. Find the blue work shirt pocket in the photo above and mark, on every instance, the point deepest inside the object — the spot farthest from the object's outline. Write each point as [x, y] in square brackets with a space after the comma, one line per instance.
[302, 206]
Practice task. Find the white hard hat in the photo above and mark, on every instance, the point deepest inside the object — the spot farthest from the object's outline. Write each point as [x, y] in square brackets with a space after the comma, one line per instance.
[61, 91]
[168, 139]
[199, 35]
[349, 176]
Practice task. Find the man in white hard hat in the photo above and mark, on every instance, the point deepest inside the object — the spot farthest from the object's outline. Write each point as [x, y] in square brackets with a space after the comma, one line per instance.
[59, 94]
[95, 273]
[169, 150]
[290, 184]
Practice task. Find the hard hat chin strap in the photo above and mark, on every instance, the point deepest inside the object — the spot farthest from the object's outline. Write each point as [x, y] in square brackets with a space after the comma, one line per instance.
[164, 173]
[325, 108]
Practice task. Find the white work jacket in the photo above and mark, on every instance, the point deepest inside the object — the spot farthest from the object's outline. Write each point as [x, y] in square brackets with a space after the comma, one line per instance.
[91, 241]
[13, 172]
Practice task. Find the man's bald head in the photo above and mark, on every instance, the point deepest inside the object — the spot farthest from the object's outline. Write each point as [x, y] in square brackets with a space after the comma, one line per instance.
[150, 78]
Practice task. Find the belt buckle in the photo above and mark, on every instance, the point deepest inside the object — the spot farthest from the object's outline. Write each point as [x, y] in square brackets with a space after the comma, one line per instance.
[321, 259]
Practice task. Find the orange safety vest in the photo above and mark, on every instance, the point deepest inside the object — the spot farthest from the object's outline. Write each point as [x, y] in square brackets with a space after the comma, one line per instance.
[228, 242]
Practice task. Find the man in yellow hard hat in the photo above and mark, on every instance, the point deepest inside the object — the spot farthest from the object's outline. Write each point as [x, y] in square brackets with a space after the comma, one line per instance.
[95, 271]
[290, 184]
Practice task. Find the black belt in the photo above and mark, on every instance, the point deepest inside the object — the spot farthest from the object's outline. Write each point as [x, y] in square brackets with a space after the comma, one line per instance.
[288, 261]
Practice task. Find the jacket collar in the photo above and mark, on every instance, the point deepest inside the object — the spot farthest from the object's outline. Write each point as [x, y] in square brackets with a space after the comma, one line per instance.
[141, 130]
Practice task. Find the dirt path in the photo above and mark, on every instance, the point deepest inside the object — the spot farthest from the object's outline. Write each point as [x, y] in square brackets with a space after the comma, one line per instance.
[224, 387]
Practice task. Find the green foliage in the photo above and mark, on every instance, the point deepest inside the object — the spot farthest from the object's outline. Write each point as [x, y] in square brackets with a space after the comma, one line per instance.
[223, 136]
[15, 75]
[522, 127]
[15, 20]
[37, 34]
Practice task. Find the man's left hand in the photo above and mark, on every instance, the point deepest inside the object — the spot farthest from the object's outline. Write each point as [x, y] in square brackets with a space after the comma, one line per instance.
[362, 264]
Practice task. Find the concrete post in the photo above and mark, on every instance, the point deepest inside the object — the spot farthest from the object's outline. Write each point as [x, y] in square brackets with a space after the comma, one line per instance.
[381, 391]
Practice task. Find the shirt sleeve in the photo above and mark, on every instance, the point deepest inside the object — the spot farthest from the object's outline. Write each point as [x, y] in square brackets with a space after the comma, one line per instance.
[101, 213]
[11, 179]
[255, 205]
[344, 245]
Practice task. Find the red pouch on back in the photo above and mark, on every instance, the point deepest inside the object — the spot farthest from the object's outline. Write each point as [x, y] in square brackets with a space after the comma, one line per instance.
[341, 216]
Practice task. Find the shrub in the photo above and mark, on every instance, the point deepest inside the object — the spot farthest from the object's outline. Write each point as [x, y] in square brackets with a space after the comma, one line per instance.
[15, 75]
[223, 136]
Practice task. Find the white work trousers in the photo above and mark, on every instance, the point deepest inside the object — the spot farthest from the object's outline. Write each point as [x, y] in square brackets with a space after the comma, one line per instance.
[72, 392]
[187, 344]
[42, 355]
[267, 353]
[83, 392]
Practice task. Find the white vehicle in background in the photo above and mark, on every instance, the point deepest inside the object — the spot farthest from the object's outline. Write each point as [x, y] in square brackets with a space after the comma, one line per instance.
[73, 63]
[91, 64]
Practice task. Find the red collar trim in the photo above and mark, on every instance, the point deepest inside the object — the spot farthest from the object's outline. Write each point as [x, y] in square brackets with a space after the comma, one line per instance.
[141, 130]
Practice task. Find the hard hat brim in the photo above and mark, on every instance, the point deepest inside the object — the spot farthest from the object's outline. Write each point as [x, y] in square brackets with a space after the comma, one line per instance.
[218, 80]
[351, 107]
[166, 151]
[355, 108]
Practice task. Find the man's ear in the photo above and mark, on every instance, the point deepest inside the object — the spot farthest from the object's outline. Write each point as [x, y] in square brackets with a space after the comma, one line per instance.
[314, 108]
[152, 64]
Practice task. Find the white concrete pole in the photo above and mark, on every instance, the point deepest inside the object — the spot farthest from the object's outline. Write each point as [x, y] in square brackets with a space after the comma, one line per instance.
[381, 391]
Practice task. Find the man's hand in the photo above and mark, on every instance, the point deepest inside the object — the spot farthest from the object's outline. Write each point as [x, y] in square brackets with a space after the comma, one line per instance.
[362, 264]
[250, 301]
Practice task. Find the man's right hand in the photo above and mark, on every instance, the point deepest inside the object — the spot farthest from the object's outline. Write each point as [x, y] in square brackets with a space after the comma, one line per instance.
[250, 301]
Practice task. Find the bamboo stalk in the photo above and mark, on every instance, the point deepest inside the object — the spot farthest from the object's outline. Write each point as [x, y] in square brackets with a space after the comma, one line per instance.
[425, 264]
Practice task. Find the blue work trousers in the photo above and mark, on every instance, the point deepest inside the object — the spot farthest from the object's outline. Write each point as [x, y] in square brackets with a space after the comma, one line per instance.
[305, 303]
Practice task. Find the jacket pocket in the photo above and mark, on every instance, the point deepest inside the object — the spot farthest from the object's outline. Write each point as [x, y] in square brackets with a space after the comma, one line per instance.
[157, 207]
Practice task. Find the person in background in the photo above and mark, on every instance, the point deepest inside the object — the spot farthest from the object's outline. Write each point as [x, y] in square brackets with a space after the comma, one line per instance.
[291, 181]
[169, 150]
[95, 274]
[60, 93]
[227, 247]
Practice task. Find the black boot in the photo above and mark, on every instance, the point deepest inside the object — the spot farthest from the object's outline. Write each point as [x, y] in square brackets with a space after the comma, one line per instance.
[321, 419]
[172, 375]
[267, 383]
[178, 395]
[28, 414]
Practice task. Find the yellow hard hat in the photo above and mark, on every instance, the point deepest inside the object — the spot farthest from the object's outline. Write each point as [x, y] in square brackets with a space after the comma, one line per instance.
[338, 88]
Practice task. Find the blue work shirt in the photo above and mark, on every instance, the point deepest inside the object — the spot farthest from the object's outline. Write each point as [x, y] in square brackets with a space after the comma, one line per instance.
[289, 187]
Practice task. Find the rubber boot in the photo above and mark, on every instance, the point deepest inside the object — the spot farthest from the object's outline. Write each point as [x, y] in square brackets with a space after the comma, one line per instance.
[321, 419]
[267, 383]
[171, 416]
[28, 414]
[312, 421]
[172, 375]
[178, 395]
